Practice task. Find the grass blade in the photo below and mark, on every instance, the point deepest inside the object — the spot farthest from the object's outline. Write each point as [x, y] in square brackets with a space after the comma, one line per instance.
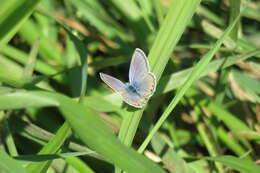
[243, 165]
[99, 137]
[10, 22]
[9, 165]
[177, 19]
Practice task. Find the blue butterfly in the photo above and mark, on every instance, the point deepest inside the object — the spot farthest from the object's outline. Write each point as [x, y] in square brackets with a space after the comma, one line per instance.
[142, 82]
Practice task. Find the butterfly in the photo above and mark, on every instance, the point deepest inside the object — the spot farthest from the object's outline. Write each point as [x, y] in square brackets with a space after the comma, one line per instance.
[141, 85]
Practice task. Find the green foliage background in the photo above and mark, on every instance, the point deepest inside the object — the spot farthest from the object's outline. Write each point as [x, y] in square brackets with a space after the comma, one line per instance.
[57, 116]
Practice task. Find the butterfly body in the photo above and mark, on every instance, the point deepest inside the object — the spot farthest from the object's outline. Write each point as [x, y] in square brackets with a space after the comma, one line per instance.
[132, 88]
[142, 82]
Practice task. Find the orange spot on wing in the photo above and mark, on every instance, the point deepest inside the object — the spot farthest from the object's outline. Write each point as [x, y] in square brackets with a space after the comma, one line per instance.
[150, 90]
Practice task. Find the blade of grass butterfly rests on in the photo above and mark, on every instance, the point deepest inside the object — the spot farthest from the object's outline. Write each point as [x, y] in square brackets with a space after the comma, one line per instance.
[10, 22]
[9, 165]
[240, 164]
[90, 129]
[177, 19]
[194, 75]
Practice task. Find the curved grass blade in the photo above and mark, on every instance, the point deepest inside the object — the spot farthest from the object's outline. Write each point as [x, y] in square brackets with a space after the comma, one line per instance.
[9, 165]
[242, 165]
[88, 127]
[46, 157]
[50, 148]
[177, 79]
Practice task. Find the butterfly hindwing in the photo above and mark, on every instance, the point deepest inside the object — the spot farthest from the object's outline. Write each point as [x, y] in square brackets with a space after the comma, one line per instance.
[146, 87]
[133, 99]
[140, 76]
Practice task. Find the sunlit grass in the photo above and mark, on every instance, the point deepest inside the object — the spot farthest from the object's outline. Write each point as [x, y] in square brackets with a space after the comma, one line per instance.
[53, 105]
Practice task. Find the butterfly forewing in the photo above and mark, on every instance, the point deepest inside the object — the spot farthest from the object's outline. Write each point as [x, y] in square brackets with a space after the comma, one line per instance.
[115, 84]
[139, 66]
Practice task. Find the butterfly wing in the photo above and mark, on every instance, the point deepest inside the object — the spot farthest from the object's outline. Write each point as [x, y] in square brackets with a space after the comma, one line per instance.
[140, 76]
[139, 66]
[115, 84]
[146, 87]
[133, 99]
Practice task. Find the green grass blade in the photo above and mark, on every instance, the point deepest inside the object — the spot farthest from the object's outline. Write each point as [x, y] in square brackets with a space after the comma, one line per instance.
[7, 134]
[10, 72]
[30, 65]
[169, 156]
[198, 69]
[50, 148]
[210, 15]
[48, 50]
[177, 19]
[231, 144]
[234, 123]
[98, 137]
[158, 10]
[98, 17]
[9, 165]
[79, 165]
[21, 57]
[242, 165]
[10, 22]
[79, 84]
[234, 11]
[46, 157]
[177, 79]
